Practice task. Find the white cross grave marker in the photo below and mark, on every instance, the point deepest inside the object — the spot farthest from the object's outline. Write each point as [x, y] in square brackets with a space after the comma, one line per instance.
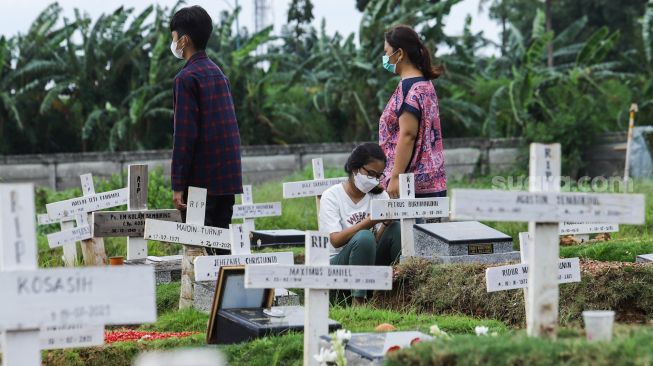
[194, 235]
[65, 238]
[312, 188]
[131, 223]
[58, 299]
[407, 208]
[581, 230]
[544, 207]
[317, 276]
[249, 211]
[81, 208]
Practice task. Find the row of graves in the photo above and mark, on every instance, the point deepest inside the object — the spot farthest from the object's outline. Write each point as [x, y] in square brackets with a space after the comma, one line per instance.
[246, 293]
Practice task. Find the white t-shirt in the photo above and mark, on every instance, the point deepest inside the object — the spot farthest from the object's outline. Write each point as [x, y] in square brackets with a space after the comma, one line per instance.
[339, 212]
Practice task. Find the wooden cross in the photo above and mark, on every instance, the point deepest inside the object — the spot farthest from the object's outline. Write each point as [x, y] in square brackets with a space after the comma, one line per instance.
[312, 188]
[194, 236]
[131, 223]
[57, 298]
[317, 276]
[407, 208]
[248, 211]
[80, 209]
[544, 207]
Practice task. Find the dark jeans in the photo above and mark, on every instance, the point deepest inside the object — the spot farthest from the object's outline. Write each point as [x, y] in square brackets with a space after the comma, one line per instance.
[363, 250]
[219, 210]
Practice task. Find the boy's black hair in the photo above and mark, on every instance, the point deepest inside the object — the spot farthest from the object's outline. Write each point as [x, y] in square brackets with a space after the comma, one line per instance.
[195, 23]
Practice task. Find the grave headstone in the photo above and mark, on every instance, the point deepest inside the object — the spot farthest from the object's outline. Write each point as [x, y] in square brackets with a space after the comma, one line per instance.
[183, 357]
[81, 208]
[317, 277]
[544, 207]
[407, 209]
[463, 242]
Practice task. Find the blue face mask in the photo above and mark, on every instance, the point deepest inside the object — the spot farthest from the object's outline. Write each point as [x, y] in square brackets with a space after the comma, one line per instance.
[387, 65]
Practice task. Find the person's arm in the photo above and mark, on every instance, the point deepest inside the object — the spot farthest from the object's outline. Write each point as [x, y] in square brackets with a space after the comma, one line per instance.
[408, 129]
[186, 117]
[341, 238]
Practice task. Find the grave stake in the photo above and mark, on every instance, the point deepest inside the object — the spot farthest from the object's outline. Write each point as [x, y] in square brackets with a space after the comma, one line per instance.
[195, 214]
[407, 209]
[92, 249]
[312, 188]
[137, 179]
[89, 296]
[248, 211]
[543, 207]
[543, 294]
[317, 276]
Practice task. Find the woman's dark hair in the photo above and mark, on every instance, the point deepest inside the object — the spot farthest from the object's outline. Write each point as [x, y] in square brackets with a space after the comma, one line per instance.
[194, 22]
[365, 154]
[404, 37]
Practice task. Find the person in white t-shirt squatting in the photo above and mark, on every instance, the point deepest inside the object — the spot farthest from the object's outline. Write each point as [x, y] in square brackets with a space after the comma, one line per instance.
[356, 239]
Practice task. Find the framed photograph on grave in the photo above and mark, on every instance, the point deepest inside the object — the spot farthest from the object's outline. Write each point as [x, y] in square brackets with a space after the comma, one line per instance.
[230, 293]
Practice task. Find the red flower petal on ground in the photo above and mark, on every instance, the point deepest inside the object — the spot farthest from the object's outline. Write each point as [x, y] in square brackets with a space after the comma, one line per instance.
[133, 335]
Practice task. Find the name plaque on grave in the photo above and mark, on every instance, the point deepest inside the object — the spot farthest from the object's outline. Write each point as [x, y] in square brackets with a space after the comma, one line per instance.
[478, 249]
[129, 223]
[322, 277]
[188, 234]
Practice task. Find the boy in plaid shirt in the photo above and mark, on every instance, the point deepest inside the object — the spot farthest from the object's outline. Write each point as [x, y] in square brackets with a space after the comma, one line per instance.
[206, 147]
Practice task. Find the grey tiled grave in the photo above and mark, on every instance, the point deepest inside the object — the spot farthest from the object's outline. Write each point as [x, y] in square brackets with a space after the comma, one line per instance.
[166, 269]
[463, 242]
[644, 258]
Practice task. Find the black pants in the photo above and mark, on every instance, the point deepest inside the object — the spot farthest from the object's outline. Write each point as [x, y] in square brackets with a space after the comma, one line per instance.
[219, 210]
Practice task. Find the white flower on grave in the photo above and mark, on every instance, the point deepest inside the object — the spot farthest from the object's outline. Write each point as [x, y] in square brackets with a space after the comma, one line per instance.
[437, 332]
[481, 330]
[343, 335]
[325, 356]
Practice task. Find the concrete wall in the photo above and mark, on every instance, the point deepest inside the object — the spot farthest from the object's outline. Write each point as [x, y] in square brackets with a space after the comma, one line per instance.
[463, 157]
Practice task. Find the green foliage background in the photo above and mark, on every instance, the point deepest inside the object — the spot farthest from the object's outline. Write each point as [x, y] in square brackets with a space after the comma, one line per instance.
[105, 84]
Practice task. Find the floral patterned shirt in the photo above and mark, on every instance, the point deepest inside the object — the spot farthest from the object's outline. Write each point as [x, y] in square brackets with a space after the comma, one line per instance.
[417, 96]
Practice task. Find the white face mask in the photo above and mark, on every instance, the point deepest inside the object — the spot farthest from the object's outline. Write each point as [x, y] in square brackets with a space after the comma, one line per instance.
[178, 53]
[365, 183]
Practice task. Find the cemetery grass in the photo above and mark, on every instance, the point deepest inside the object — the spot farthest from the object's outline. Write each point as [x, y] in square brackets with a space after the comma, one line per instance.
[275, 350]
[300, 213]
[630, 346]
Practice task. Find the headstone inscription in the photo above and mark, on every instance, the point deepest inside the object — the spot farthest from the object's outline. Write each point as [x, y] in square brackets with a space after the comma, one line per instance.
[581, 230]
[248, 211]
[516, 276]
[208, 267]
[194, 236]
[317, 277]
[544, 207]
[57, 300]
[81, 208]
[131, 223]
[408, 208]
[312, 188]
[463, 242]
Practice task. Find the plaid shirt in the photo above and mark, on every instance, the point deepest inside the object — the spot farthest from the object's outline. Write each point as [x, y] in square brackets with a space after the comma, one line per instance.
[206, 147]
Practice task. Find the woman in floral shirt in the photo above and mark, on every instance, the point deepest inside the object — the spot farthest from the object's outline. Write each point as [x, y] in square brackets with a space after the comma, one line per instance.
[409, 129]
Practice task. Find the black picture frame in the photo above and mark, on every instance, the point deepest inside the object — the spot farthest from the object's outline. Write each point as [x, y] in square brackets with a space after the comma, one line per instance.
[230, 293]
